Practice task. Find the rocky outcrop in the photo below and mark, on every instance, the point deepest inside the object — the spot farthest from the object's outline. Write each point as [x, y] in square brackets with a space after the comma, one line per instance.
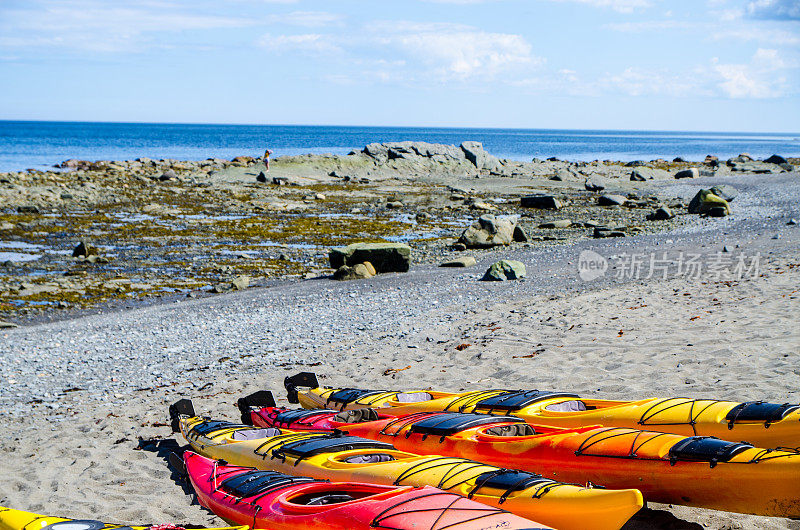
[384, 257]
[475, 153]
[471, 152]
[488, 231]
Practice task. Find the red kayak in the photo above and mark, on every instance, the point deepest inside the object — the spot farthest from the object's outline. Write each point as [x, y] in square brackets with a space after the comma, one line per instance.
[271, 500]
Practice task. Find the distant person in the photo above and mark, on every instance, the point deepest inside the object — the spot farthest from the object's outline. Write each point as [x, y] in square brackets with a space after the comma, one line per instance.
[266, 159]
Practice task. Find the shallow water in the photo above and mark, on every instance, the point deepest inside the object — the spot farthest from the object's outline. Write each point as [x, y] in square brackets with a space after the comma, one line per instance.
[25, 144]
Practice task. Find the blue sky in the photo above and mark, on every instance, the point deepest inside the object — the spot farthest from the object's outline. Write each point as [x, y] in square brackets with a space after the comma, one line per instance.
[723, 65]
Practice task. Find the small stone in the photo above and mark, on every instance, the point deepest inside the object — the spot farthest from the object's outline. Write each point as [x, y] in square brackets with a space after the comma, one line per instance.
[283, 257]
[542, 202]
[320, 196]
[262, 177]
[84, 249]
[423, 216]
[792, 222]
[7, 325]
[611, 200]
[725, 248]
[240, 283]
[465, 261]
[506, 269]
[370, 268]
[636, 176]
[28, 209]
[280, 181]
[482, 206]
[718, 211]
[168, 175]
[690, 173]
[592, 185]
[662, 213]
[561, 223]
[394, 205]
[459, 247]
[520, 236]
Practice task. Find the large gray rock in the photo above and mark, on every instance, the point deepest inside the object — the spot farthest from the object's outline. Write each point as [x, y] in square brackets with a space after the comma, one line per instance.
[385, 257]
[691, 173]
[505, 269]
[475, 153]
[643, 173]
[488, 231]
[542, 202]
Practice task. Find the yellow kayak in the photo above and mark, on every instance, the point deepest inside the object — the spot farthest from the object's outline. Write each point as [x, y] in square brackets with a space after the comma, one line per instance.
[11, 519]
[769, 425]
[342, 458]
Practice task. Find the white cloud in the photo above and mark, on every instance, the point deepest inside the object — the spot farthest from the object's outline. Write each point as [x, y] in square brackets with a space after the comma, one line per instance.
[452, 51]
[313, 43]
[774, 9]
[93, 25]
[308, 19]
[763, 77]
[652, 82]
[622, 6]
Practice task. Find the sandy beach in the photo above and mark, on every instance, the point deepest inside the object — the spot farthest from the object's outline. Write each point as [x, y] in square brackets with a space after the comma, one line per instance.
[85, 400]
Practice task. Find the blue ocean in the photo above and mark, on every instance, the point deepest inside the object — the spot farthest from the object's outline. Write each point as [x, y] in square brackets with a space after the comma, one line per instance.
[32, 144]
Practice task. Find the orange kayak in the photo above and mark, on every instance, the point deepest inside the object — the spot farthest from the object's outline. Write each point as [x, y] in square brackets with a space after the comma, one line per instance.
[667, 468]
[761, 424]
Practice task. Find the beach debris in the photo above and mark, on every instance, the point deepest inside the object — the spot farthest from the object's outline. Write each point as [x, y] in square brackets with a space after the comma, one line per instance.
[662, 213]
[505, 269]
[560, 223]
[611, 200]
[691, 173]
[705, 202]
[464, 261]
[542, 202]
[385, 257]
[391, 371]
[488, 231]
